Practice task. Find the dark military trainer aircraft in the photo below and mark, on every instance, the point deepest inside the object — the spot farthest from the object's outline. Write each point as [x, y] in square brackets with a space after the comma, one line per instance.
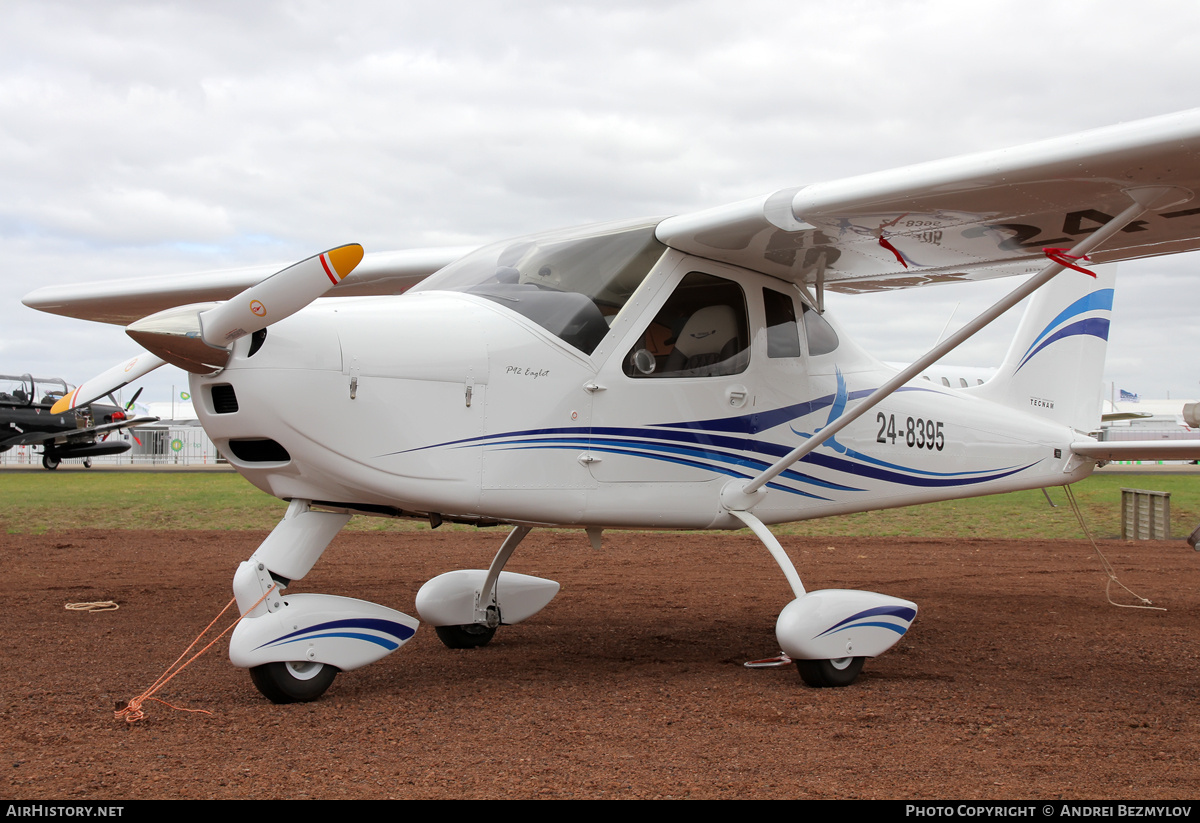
[26, 420]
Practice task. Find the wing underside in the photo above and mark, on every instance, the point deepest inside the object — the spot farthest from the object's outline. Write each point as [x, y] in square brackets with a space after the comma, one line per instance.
[123, 301]
[966, 218]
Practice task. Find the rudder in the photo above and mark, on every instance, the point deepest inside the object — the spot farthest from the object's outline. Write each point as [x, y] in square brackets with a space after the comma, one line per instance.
[1055, 365]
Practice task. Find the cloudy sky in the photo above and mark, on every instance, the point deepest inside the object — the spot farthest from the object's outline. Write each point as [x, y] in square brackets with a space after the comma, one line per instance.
[152, 138]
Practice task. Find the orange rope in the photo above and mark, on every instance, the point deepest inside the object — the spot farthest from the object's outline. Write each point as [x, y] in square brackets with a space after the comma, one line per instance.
[132, 711]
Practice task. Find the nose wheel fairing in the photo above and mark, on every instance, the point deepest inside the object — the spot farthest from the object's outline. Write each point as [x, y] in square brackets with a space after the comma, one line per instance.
[321, 628]
[295, 644]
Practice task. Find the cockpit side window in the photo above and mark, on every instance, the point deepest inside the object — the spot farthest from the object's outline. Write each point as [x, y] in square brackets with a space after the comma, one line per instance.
[701, 331]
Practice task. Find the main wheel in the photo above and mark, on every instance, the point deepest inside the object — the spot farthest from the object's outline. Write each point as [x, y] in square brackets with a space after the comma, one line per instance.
[830, 673]
[50, 462]
[470, 636]
[293, 682]
[87, 462]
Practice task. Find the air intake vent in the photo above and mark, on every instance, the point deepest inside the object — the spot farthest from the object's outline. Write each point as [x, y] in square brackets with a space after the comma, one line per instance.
[256, 341]
[259, 451]
[224, 399]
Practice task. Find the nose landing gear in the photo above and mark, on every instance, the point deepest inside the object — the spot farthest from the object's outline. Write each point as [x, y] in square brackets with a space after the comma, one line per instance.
[292, 682]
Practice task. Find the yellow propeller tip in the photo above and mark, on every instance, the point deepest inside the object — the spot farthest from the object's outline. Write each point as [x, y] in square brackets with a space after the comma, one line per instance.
[345, 258]
[63, 404]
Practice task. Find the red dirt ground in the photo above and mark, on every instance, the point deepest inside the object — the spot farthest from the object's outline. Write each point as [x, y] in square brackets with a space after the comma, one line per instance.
[1018, 680]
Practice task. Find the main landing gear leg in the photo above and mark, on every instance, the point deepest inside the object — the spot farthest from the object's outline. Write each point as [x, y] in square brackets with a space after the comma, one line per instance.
[464, 606]
[829, 633]
[487, 614]
[295, 645]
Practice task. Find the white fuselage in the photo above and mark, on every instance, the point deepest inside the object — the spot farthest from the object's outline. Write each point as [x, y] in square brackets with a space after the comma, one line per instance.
[450, 403]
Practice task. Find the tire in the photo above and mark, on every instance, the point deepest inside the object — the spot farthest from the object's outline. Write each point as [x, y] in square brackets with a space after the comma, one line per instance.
[299, 682]
[50, 462]
[822, 674]
[87, 462]
[471, 636]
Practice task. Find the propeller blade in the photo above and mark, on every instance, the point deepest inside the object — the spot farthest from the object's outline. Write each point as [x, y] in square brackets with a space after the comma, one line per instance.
[280, 295]
[133, 399]
[196, 337]
[118, 376]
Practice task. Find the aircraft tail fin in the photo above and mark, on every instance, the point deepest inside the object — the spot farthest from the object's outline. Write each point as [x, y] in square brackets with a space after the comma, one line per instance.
[1055, 365]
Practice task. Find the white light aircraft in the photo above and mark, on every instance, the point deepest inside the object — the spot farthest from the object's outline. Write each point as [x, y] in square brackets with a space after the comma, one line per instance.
[676, 373]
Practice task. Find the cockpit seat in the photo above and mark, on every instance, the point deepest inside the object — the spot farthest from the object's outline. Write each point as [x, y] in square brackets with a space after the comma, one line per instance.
[708, 344]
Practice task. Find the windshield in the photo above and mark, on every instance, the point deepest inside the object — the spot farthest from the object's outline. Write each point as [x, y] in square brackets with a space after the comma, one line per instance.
[571, 282]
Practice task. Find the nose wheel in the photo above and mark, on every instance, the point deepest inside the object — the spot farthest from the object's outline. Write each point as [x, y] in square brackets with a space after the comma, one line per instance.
[821, 674]
[293, 682]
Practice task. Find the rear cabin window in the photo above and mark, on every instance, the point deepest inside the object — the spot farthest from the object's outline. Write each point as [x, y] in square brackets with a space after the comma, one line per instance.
[819, 335]
[783, 334]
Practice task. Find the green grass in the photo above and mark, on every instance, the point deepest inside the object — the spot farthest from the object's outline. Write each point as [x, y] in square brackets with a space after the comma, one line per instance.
[36, 502]
[1020, 514]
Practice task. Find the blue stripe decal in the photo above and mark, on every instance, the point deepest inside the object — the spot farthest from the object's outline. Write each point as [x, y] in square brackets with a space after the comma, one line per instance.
[888, 471]
[703, 466]
[900, 612]
[390, 645]
[693, 431]
[892, 626]
[649, 449]
[326, 629]
[932, 480]
[762, 421]
[1094, 326]
[1100, 300]
[719, 445]
[638, 436]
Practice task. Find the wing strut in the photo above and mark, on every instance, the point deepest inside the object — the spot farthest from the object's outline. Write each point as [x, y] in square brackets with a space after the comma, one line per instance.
[818, 272]
[1145, 199]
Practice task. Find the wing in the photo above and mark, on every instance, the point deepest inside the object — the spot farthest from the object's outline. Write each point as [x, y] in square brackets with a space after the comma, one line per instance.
[966, 218]
[124, 301]
[37, 437]
[30, 438]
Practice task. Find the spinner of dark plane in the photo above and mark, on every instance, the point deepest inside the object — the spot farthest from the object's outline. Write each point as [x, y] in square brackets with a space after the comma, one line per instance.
[26, 419]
